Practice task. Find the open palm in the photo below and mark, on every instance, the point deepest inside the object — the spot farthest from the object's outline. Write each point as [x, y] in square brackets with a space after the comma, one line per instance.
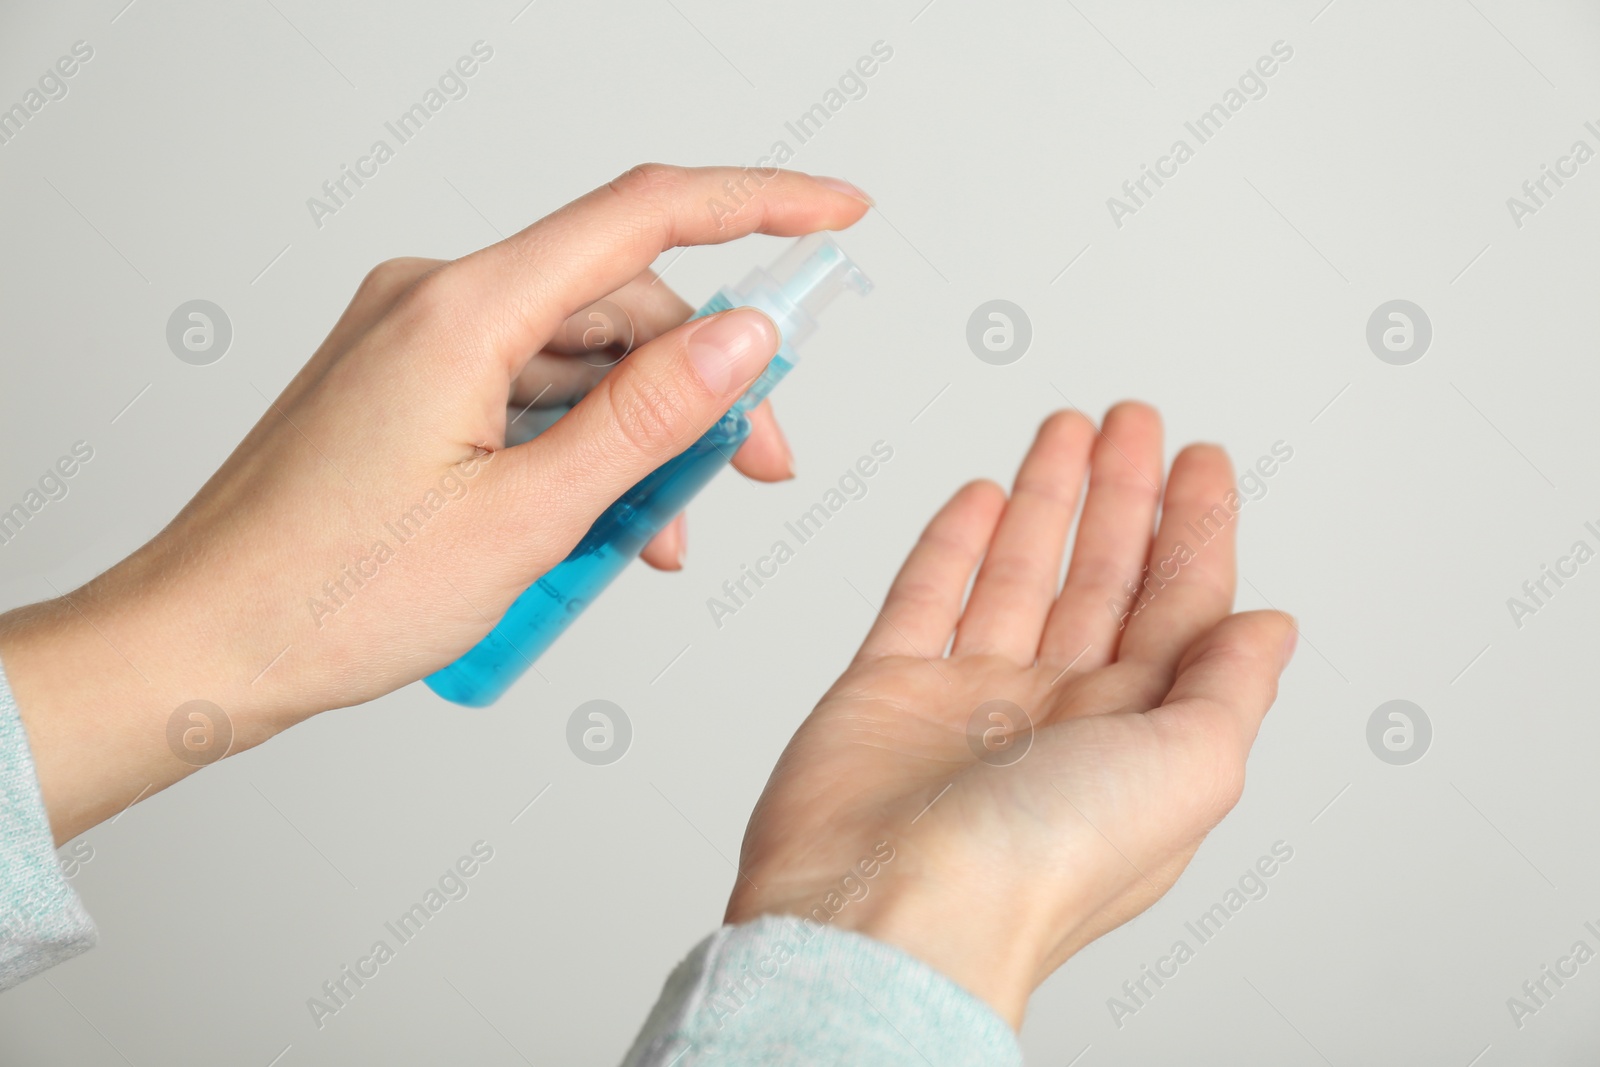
[994, 802]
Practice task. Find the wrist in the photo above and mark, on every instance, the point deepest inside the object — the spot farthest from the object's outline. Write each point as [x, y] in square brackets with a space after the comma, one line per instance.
[998, 966]
[995, 949]
[120, 697]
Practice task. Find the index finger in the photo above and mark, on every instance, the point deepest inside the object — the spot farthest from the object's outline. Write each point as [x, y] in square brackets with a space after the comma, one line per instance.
[522, 288]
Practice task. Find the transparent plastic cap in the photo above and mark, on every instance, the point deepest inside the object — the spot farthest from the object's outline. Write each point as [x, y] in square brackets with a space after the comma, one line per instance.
[799, 284]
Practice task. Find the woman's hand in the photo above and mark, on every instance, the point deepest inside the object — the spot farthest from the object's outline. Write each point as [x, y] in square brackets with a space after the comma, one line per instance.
[375, 524]
[581, 352]
[1049, 776]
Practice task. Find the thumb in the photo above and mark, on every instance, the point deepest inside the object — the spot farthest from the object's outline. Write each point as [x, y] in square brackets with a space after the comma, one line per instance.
[1225, 685]
[649, 408]
[1229, 678]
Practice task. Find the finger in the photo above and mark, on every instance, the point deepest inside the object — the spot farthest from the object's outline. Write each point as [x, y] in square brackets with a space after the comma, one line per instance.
[563, 380]
[1119, 516]
[647, 410]
[765, 454]
[1226, 683]
[1188, 582]
[925, 600]
[510, 297]
[594, 339]
[1020, 575]
[638, 312]
[667, 549]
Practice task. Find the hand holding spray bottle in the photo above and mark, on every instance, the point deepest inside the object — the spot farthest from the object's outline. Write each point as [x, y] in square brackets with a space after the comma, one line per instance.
[792, 292]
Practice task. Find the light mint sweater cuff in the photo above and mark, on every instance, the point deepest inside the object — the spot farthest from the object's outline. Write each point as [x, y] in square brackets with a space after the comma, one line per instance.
[42, 922]
[785, 990]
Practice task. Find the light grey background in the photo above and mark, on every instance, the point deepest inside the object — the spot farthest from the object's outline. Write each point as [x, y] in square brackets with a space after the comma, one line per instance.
[1418, 500]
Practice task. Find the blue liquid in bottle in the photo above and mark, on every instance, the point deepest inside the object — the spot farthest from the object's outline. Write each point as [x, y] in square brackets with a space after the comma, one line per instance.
[799, 284]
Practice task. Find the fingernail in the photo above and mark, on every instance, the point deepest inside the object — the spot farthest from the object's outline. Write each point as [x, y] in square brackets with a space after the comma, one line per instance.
[839, 185]
[1290, 641]
[731, 348]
